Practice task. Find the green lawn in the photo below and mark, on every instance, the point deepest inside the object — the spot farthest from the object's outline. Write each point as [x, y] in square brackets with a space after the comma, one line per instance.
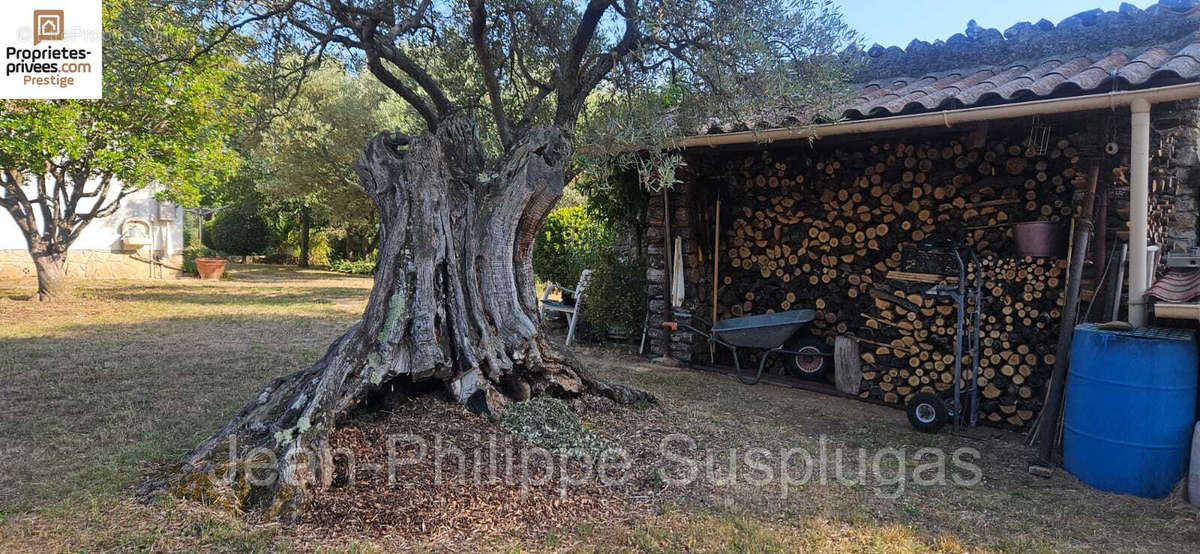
[102, 390]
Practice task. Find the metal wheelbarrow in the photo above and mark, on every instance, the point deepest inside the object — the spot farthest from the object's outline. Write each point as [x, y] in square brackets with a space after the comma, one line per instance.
[781, 333]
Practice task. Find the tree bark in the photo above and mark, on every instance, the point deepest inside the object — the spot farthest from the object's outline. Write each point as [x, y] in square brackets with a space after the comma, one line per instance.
[453, 302]
[305, 229]
[50, 275]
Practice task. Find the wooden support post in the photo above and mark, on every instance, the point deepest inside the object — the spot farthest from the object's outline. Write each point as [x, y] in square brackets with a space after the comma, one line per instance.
[1100, 252]
[712, 348]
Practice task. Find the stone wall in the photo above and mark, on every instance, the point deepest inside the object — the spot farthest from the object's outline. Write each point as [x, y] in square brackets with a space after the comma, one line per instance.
[1175, 173]
[660, 341]
[94, 264]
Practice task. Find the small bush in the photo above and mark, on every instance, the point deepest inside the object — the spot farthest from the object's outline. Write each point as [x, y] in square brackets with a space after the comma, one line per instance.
[288, 252]
[616, 294]
[569, 242]
[550, 424]
[364, 266]
[238, 231]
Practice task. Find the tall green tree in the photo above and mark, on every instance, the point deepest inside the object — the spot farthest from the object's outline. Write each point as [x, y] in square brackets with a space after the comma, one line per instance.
[67, 163]
[309, 153]
[500, 87]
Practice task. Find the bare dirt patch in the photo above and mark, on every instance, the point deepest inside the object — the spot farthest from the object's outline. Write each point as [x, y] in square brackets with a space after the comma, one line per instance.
[456, 479]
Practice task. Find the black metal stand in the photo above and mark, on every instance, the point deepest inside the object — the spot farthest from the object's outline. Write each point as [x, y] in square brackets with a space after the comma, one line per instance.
[962, 295]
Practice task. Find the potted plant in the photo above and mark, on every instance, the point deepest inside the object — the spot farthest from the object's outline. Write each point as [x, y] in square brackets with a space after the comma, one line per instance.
[208, 262]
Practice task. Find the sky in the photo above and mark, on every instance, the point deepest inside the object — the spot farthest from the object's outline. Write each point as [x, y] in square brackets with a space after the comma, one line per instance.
[897, 22]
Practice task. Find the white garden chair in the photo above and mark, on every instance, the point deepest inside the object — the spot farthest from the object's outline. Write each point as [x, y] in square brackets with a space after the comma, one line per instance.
[572, 311]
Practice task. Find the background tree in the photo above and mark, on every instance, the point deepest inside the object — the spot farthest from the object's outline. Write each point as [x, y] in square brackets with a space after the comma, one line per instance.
[68, 162]
[309, 154]
[240, 227]
[500, 88]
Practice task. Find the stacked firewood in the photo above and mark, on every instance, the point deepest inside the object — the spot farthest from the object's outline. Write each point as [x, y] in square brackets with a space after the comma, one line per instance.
[1163, 188]
[834, 231]
[908, 343]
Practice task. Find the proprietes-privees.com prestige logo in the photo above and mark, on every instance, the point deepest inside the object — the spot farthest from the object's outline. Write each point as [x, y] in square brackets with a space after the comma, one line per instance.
[49, 65]
[53, 49]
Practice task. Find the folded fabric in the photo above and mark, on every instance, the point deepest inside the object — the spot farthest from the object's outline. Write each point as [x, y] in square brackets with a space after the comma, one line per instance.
[1176, 286]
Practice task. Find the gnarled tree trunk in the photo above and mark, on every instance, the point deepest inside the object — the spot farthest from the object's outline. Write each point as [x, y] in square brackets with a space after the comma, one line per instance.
[50, 275]
[453, 301]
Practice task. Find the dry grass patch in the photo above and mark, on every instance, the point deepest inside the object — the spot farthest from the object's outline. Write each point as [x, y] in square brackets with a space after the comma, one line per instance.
[129, 374]
[103, 389]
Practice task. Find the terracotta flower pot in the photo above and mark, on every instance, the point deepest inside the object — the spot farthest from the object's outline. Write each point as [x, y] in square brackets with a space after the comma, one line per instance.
[211, 268]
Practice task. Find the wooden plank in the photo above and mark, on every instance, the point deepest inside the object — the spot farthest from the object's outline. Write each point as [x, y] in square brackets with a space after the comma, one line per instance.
[847, 365]
[912, 277]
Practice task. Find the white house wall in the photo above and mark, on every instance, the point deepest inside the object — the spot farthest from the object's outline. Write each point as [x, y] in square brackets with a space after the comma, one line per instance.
[98, 252]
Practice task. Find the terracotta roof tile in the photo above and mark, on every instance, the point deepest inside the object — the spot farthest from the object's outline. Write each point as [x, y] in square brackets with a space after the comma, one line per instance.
[1142, 67]
[972, 95]
[1185, 63]
[1017, 82]
[1172, 58]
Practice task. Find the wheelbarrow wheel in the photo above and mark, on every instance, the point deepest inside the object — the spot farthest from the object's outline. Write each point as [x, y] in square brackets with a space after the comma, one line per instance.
[927, 412]
[811, 359]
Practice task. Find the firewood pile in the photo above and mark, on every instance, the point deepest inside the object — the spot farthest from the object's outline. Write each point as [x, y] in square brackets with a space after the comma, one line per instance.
[836, 230]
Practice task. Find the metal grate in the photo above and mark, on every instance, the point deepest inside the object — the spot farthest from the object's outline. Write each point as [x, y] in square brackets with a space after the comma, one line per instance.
[1039, 138]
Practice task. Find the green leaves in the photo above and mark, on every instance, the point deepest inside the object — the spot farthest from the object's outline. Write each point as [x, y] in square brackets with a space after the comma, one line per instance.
[308, 154]
[157, 123]
[549, 423]
[705, 62]
[569, 242]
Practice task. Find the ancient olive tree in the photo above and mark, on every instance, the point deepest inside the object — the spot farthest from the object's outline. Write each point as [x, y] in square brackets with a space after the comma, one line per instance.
[500, 88]
[66, 163]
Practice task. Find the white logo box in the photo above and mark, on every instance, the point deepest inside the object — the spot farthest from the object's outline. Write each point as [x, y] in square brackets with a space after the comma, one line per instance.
[67, 60]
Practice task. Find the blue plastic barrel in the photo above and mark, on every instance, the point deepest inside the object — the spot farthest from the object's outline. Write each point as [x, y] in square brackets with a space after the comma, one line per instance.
[1130, 406]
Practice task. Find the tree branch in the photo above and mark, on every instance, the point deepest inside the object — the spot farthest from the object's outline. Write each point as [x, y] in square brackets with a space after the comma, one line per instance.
[17, 203]
[630, 39]
[584, 34]
[366, 26]
[99, 210]
[409, 95]
[479, 39]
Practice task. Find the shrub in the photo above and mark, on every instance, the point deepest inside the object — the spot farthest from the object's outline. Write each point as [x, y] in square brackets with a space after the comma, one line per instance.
[569, 242]
[616, 294]
[238, 231]
[548, 422]
[288, 252]
[365, 266]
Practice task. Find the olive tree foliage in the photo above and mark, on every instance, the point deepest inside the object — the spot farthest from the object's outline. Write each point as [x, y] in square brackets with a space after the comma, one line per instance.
[500, 89]
[774, 62]
[641, 73]
[307, 156]
[67, 163]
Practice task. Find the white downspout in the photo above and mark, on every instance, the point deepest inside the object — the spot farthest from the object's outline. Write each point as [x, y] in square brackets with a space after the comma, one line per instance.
[1139, 204]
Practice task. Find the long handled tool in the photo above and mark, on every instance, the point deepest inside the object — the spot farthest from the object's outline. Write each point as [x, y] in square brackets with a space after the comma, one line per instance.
[1048, 430]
